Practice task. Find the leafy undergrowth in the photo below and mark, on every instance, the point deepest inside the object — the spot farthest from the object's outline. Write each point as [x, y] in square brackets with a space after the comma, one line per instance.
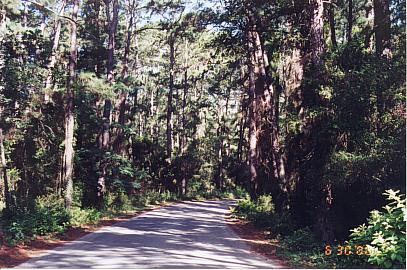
[379, 244]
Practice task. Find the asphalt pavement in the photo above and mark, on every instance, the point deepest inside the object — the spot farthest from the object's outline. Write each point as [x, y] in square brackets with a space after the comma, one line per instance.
[182, 235]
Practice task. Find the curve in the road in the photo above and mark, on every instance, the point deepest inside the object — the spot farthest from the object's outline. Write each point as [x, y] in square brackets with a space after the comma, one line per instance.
[183, 235]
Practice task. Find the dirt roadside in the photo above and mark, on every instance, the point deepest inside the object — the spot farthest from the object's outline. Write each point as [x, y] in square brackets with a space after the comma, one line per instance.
[256, 239]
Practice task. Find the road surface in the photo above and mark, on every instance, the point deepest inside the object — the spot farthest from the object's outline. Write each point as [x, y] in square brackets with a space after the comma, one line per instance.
[183, 235]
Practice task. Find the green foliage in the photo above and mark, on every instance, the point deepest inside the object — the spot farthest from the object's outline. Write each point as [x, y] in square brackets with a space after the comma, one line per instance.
[123, 176]
[152, 197]
[49, 215]
[78, 216]
[260, 212]
[88, 81]
[301, 240]
[384, 237]
[385, 233]
[237, 192]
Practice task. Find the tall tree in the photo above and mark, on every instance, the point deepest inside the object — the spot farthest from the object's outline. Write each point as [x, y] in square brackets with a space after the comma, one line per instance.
[382, 26]
[263, 106]
[331, 18]
[3, 163]
[318, 147]
[131, 15]
[69, 109]
[104, 136]
[382, 41]
[169, 131]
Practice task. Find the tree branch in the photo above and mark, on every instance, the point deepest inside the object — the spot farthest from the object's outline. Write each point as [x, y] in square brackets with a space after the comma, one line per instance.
[43, 7]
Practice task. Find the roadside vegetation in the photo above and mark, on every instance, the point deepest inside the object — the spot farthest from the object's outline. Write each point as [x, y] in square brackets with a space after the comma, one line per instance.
[377, 243]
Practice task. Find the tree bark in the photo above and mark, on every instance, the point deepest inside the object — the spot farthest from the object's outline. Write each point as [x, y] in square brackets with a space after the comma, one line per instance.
[350, 20]
[381, 9]
[3, 163]
[243, 117]
[253, 156]
[382, 41]
[69, 111]
[171, 42]
[317, 43]
[331, 18]
[263, 112]
[242, 126]
[308, 150]
[184, 99]
[321, 146]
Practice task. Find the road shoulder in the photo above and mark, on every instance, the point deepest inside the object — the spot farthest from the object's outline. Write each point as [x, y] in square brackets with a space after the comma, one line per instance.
[255, 239]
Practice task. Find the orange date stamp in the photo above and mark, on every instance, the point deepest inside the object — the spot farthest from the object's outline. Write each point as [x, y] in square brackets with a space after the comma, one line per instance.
[346, 250]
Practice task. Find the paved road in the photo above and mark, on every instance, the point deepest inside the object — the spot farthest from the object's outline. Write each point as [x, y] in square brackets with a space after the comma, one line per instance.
[184, 235]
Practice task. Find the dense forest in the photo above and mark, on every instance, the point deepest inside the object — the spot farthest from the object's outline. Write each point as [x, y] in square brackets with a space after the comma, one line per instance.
[114, 103]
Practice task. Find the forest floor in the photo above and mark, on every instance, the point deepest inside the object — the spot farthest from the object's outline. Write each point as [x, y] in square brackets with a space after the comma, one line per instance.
[11, 256]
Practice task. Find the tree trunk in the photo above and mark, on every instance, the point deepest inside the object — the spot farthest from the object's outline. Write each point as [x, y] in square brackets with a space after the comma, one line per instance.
[242, 126]
[350, 21]
[3, 166]
[184, 100]
[169, 98]
[367, 30]
[263, 113]
[317, 44]
[321, 146]
[119, 141]
[253, 116]
[308, 150]
[331, 18]
[69, 111]
[382, 26]
[104, 136]
[382, 42]
[25, 13]
[54, 53]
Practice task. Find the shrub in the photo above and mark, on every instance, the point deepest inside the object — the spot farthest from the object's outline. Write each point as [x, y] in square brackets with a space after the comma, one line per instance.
[282, 224]
[245, 208]
[121, 202]
[385, 234]
[259, 212]
[265, 204]
[167, 196]
[301, 240]
[48, 215]
[83, 216]
[240, 193]
[15, 232]
[153, 197]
